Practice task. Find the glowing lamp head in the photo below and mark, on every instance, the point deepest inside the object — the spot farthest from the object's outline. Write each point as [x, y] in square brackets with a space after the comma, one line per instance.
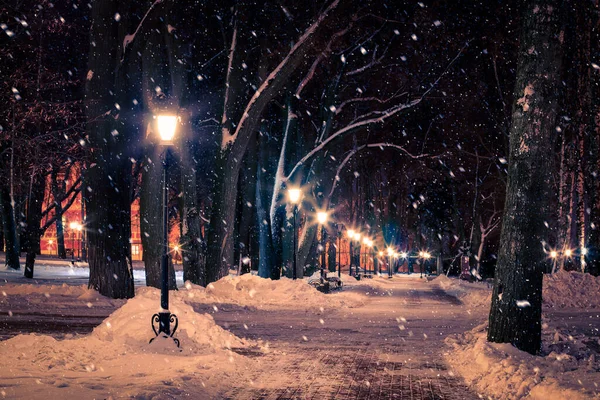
[426, 255]
[322, 217]
[350, 233]
[403, 254]
[390, 251]
[568, 252]
[294, 195]
[357, 236]
[166, 125]
[75, 226]
[380, 254]
[553, 254]
[584, 251]
[176, 248]
[50, 242]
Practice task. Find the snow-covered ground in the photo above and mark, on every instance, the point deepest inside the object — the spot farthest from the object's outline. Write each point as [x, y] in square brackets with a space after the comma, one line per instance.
[244, 337]
[569, 366]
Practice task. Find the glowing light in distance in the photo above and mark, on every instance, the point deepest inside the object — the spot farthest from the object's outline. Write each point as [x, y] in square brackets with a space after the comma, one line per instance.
[294, 195]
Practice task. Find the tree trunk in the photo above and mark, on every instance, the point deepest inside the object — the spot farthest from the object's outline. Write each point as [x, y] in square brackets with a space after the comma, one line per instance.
[58, 194]
[109, 174]
[192, 241]
[34, 218]
[515, 315]
[10, 229]
[594, 150]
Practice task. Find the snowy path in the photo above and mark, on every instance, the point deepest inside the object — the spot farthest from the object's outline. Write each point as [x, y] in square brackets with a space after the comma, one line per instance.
[357, 353]
[390, 348]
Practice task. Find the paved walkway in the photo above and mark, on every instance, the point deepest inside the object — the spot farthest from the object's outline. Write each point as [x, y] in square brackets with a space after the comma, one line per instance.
[389, 349]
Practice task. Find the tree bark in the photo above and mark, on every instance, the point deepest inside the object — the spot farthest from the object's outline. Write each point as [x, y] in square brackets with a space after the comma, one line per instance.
[109, 174]
[10, 229]
[34, 218]
[515, 315]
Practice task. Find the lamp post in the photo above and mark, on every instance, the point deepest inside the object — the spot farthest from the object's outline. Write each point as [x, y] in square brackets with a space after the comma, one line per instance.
[339, 249]
[357, 237]
[75, 226]
[322, 220]
[350, 233]
[553, 256]
[294, 195]
[368, 246]
[390, 254]
[425, 256]
[166, 125]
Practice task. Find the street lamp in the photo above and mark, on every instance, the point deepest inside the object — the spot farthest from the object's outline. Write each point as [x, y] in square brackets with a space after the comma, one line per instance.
[166, 125]
[294, 196]
[553, 256]
[425, 256]
[390, 253]
[322, 220]
[75, 226]
[339, 249]
[357, 237]
[350, 233]
[368, 245]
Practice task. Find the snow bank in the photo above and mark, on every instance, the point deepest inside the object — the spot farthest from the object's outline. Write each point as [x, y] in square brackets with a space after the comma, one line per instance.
[561, 290]
[117, 360]
[500, 371]
[571, 289]
[64, 289]
[472, 294]
[130, 324]
[251, 290]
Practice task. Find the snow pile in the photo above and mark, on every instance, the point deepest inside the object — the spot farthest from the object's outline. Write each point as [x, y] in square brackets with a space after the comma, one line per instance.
[571, 289]
[561, 290]
[472, 294]
[500, 371]
[116, 360]
[130, 324]
[64, 289]
[251, 290]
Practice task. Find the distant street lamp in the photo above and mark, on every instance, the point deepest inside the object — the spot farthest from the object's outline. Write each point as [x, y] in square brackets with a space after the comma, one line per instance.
[322, 220]
[368, 246]
[350, 233]
[553, 256]
[425, 256]
[75, 226]
[294, 195]
[357, 237]
[390, 253]
[167, 125]
[339, 249]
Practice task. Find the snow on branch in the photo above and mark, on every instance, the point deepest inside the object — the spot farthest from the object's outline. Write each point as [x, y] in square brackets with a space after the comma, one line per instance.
[128, 40]
[275, 79]
[381, 145]
[340, 107]
[365, 121]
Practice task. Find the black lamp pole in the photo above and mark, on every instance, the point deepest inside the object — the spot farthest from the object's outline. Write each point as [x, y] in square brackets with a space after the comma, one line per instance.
[164, 318]
[294, 264]
[322, 252]
[339, 253]
[351, 254]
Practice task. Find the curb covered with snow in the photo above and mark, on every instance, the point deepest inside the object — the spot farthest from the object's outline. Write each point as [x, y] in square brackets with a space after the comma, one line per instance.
[503, 372]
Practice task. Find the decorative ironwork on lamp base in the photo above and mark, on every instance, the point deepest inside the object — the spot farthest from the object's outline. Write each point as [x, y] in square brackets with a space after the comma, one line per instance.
[161, 323]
